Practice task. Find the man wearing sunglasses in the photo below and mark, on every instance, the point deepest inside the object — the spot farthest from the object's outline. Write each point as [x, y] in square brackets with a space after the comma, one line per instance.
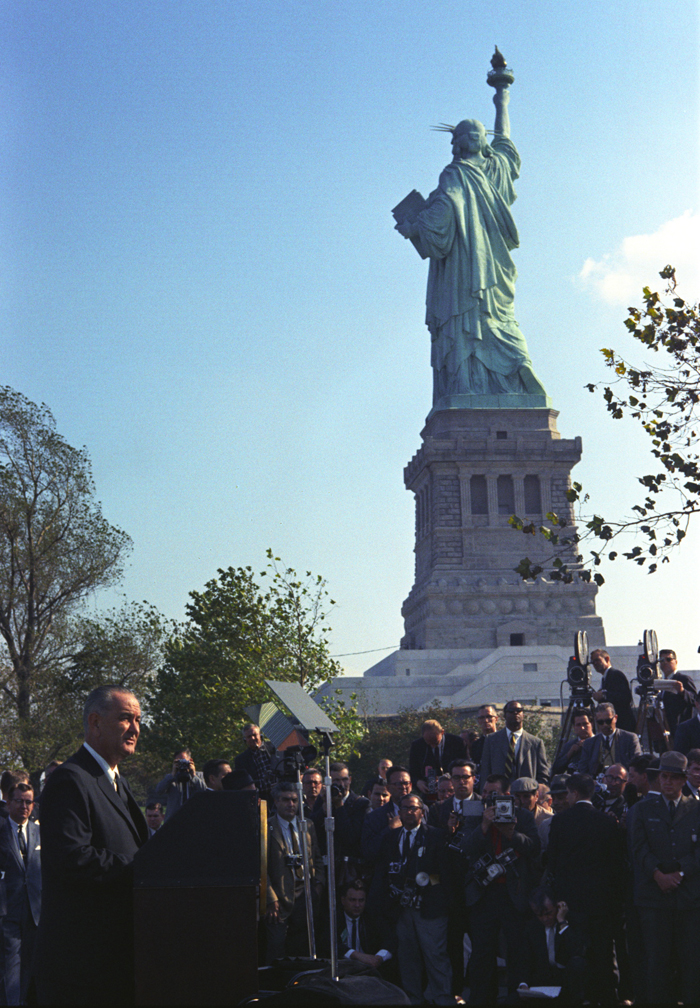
[512, 751]
[609, 746]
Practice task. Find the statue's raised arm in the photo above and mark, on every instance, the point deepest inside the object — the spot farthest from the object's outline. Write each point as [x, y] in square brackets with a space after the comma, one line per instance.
[467, 231]
[500, 78]
[500, 100]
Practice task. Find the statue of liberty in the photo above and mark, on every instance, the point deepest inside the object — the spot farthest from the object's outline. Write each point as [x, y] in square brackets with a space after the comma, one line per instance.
[467, 231]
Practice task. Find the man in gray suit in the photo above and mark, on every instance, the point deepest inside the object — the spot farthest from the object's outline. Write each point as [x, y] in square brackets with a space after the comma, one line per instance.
[663, 842]
[609, 746]
[20, 860]
[512, 751]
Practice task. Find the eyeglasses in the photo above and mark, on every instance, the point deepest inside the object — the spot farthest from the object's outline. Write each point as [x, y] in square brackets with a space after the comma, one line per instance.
[612, 777]
[515, 710]
[462, 776]
[606, 720]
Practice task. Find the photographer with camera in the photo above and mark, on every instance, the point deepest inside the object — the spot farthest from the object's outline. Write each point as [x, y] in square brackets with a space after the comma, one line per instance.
[285, 918]
[398, 781]
[502, 871]
[431, 754]
[408, 892]
[457, 816]
[180, 784]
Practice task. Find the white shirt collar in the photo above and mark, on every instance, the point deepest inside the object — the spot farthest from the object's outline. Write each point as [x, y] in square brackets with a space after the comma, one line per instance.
[517, 733]
[458, 801]
[112, 774]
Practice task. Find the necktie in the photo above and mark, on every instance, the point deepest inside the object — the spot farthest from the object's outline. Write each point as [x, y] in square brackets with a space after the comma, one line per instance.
[510, 758]
[121, 790]
[355, 943]
[550, 946]
[21, 840]
[671, 809]
[298, 871]
[406, 845]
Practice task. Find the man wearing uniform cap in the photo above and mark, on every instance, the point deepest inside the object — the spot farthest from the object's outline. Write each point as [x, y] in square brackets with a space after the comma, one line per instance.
[664, 849]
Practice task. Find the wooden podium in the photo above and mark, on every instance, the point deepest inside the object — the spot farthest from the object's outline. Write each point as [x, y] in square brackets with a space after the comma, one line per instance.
[196, 887]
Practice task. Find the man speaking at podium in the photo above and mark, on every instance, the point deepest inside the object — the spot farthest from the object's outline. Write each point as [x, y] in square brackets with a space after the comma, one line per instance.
[91, 828]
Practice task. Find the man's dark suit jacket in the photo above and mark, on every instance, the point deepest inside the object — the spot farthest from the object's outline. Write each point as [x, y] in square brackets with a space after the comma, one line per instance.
[568, 944]
[20, 906]
[22, 884]
[349, 820]
[427, 855]
[530, 760]
[476, 749]
[626, 748]
[373, 827]
[687, 736]
[453, 748]
[679, 706]
[619, 694]
[89, 837]
[567, 762]
[586, 859]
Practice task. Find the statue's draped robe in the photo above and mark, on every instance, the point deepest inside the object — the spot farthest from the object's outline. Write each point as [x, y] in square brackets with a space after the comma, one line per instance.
[468, 231]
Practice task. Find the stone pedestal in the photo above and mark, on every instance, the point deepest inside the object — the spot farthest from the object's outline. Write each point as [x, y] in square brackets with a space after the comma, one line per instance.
[477, 467]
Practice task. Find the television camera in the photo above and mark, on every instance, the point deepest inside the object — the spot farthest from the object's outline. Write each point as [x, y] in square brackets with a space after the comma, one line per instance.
[578, 676]
[652, 725]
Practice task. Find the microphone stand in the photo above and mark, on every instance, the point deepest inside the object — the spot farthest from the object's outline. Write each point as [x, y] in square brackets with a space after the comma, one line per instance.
[329, 823]
[303, 841]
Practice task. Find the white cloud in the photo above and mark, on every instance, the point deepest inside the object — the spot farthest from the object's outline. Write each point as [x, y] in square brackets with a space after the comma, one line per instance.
[619, 277]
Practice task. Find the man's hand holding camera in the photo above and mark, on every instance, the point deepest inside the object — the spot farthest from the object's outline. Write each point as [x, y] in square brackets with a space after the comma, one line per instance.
[453, 823]
[506, 828]
[183, 767]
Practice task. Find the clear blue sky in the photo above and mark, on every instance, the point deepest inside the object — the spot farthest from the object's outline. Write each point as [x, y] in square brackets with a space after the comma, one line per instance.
[202, 280]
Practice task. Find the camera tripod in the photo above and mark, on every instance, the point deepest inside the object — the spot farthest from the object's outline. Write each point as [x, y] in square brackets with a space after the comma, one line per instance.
[581, 700]
[652, 725]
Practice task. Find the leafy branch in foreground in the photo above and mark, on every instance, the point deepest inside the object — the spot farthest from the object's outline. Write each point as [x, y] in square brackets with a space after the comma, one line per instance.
[663, 399]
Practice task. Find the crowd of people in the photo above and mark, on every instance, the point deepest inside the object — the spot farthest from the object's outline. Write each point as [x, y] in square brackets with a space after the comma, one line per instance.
[473, 870]
[583, 876]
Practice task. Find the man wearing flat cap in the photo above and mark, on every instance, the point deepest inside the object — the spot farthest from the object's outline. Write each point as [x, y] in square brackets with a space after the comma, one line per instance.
[663, 839]
[524, 790]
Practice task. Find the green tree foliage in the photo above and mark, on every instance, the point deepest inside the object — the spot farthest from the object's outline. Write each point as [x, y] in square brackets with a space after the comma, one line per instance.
[237, 635]
[56, 549]
[663, 398]
[352, 725]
